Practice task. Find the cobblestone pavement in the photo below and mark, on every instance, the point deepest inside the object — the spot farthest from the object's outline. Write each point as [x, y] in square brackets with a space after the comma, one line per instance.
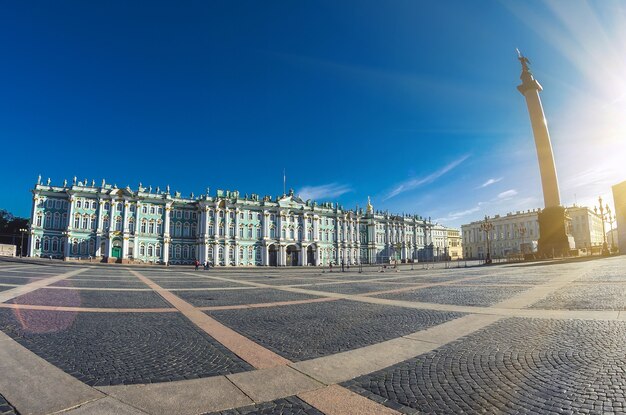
[459, 295]
[290, 405]
[360, 288]
[514, 366]
[6, 408]
[238, 297]
[562, 361]
[307, 331]
[110, 349]
[93, 299]
[606, 296]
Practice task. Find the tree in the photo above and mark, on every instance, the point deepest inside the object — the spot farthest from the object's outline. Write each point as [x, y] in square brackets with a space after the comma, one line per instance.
[10, 226]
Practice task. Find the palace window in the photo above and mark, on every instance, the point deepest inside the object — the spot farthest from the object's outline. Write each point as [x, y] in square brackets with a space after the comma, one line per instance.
[179, 229]
[46, 244]
[132, 208]
[144, 209]
[258, 232]
[152, 210]
[151, 227]
[48, 221]
[291, 233]
[158, 251]
[37, 244]
[142, 250]
[299, 233]
[186, 214]
[150, 250]
[231, 230]
[186, 230]
[83, 247]
[55, 245]
[92, 247]
[118, 207]
[284, 233]
[210, 254]
[177, 251]
[77, 221]
[231, 215]
[143, 226]
[221, 214]
[75, 247]
[193, 230]
[258, 216]
[160, 212]
[131, 225]
[272, 232]
[241, 253]
[107, 206]
[79, 203]
[159, 228]
[186, 252]
[220, 252]
[241, 231]
[241, 215]
[258, 254]
[221, 229]
[309, 235]
[250, 232]
[249, 215]
[57, 204]
[211, 230]
[86, 222]
[57, 221]
[39, 218]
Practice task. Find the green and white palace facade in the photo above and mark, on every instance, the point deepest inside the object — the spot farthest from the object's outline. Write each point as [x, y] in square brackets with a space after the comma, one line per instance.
[85, 221]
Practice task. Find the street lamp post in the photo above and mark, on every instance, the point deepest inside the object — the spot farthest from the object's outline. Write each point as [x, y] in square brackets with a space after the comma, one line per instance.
[23, 231]
[487, 227]
[603, 212]
[611, 219]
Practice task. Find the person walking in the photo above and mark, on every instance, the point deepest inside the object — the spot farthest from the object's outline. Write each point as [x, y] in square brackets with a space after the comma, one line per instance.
[342, 265]
[197, 264]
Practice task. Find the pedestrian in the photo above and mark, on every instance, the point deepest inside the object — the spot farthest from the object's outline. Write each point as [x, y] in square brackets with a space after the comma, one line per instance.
[330, 266]
[197, 264]
[342, 265]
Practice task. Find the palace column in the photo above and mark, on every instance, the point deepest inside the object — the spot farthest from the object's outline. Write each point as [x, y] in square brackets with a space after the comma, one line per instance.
[552, 220]
[70, 224]
[166, 232]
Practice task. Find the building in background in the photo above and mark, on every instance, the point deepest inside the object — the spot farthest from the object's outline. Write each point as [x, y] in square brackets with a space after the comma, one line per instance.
[455, 244]
[619, 199]
[85, 221]
[518, 233]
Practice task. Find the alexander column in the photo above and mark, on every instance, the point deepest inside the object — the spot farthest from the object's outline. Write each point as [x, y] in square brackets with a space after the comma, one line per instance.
[553, 222]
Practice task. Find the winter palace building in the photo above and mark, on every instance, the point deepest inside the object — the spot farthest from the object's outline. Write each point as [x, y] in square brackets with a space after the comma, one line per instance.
[83, 221]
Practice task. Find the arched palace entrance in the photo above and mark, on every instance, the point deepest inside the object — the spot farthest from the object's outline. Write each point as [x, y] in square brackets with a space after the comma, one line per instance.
[293, 254]
[273, 256]
[310, 255]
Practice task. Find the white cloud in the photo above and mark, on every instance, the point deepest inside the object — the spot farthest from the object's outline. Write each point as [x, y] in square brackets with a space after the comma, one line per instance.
[416, 182]
[324, 191]
[489, 182]
[507, 194]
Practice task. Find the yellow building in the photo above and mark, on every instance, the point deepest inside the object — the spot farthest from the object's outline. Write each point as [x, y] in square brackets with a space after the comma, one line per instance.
[455, 247]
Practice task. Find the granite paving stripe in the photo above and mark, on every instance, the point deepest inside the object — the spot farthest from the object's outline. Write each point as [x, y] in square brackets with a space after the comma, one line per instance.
[88, 309]
[120, 348]
[35, 285]
[249, 351]
[337, 400]
[188, 397]
[238, 297]
[458, 295]
[273, 383]
[306, 331]
[172, 285]
[54, 390]
[92, 299]
[291, 405]
[105, 406]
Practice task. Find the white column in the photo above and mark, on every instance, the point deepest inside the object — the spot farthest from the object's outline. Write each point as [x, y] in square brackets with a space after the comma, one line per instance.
[315, 228]
[303, 256]
[266, 255]
[166, 232]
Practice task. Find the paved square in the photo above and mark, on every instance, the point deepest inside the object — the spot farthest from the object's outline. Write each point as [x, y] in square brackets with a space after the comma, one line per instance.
[110, 349]
[546, 337]
[459, 295]
[307, 331]
[516, 365]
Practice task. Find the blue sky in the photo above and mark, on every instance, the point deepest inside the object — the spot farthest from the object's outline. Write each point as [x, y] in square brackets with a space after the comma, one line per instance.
[409, 102]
